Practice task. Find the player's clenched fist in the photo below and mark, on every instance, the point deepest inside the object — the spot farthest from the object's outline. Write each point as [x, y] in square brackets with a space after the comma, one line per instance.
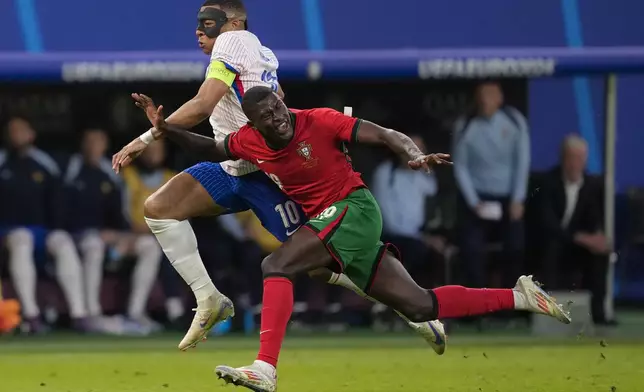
[427, 161]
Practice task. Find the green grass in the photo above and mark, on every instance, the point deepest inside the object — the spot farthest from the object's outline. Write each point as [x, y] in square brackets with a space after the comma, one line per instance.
[353, 363]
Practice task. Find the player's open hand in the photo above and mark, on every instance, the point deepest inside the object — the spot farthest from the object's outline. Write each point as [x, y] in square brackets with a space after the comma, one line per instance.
[154, 114]
[426, 162]
[127, 154]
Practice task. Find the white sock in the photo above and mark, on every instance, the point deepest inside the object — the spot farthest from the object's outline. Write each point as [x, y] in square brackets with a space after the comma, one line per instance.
[148, 260]
[265, 367]
[520, 301]
[68, 271]
[344, 281]
[178, 241]
[92, 250]
[22, 268]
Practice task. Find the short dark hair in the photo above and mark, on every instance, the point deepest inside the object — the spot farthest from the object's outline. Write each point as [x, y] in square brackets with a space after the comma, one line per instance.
[254, 96]
[14, 117]
[236, 6]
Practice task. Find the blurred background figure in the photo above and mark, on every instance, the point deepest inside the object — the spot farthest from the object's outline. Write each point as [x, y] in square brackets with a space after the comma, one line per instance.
[32, 217]
[576, 249]
[406, 197]
[141, 180]
[491, 153]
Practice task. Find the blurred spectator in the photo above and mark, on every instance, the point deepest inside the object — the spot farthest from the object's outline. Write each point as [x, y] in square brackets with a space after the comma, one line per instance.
[572, 224]
[403, 195]
[141, 179]
[96, 217]
[95, 210]
[31, 220]
[491, 152]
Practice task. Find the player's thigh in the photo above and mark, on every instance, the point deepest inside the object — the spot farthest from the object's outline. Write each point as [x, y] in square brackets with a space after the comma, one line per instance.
[351, 230]
[301, 253]
[190, 194]
[279, 215]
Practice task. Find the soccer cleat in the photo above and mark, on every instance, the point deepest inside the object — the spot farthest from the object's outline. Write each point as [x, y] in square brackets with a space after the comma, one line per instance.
[538, 301]
[433, 332]
[209, 312]
[254, 377]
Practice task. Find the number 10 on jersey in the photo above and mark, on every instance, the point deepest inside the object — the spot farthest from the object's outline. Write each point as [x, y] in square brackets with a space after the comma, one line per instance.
[288, 211]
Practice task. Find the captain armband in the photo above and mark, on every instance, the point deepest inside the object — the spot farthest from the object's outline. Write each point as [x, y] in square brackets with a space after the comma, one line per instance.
[218, 70]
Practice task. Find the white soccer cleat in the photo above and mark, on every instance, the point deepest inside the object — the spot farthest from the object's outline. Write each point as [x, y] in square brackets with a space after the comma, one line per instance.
[209, 312]
[433, 332]
[255, 377]
[538, 301]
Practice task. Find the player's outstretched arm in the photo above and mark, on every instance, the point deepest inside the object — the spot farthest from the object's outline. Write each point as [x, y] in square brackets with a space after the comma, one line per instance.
[200, 107]
[401, 144]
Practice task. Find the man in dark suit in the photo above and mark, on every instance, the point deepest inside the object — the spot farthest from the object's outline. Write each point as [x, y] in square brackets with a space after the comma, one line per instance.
[575, 248]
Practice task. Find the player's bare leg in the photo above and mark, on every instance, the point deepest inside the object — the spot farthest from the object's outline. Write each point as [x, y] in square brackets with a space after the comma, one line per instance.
[432, 331]
[167, 212]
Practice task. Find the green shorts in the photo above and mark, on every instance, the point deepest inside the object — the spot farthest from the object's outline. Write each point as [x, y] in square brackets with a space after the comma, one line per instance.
[351, 230]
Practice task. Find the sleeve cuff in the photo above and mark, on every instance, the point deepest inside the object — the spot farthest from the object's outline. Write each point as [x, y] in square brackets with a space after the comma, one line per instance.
[354, 131]
[227, 147]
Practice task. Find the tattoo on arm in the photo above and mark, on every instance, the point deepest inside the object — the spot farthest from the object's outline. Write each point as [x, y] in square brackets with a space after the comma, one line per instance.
[402, 145]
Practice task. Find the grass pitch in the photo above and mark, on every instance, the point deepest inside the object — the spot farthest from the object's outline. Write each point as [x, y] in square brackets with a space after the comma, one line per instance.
[371, 363]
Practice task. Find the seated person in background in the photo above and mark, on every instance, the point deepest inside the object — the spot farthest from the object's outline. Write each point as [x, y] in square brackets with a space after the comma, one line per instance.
[96, 217]
[571, 210]
[31, 219]
[403, 194]
[141, 180]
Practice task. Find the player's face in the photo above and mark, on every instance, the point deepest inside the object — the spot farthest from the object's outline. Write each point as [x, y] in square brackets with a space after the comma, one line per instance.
[206, 43]
[20, 134]
[272, 119]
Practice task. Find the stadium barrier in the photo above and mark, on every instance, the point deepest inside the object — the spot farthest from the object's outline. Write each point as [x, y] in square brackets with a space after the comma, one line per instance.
[188, 66]
[363, 64]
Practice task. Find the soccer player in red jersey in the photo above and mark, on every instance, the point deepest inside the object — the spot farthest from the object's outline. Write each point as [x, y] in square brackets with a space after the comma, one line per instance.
[304, 152]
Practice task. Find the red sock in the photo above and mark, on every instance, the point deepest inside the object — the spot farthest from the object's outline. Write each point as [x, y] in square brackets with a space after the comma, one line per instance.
[459, 301]
[277, 307]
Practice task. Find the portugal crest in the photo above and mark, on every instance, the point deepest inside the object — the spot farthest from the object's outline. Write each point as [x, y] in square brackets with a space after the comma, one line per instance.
[305, 150]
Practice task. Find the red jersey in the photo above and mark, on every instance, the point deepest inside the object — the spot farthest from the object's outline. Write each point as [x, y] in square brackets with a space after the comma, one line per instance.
[313, 169]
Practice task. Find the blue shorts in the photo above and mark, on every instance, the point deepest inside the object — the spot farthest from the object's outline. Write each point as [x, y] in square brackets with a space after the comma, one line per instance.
[255, 191]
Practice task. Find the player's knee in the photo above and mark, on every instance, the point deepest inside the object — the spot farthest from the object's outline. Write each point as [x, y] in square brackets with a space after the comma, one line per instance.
[155, 207]
[20, 238]
[273, 265]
